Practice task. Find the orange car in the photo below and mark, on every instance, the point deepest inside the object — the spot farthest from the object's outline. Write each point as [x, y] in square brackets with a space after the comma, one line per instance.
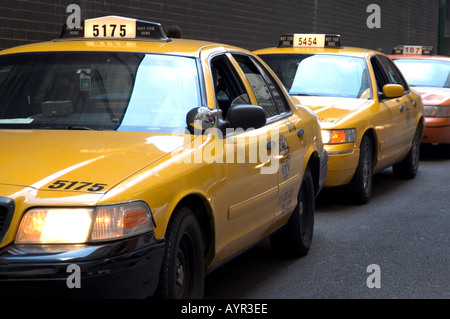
[429, 74]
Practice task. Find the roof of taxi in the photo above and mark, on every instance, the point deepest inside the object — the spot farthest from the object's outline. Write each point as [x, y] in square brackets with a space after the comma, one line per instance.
[416, 52]
[419, 57]
[186, 47]
[341, 51]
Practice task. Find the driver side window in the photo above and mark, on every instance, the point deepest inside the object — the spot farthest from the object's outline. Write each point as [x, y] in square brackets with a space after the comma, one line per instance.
[386, 73]
[228, 88]
[392, 72]
[266, 91]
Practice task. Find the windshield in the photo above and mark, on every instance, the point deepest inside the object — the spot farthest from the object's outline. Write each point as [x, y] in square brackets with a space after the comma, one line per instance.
[420, 72]
[321, 74]
[97, 90]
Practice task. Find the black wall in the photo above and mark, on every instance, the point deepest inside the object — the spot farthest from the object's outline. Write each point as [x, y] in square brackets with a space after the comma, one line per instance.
[247, 23]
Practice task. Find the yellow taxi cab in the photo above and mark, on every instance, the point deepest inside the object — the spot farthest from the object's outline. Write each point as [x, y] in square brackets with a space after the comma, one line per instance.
[133, 164]
[369, 116]
[429, 74]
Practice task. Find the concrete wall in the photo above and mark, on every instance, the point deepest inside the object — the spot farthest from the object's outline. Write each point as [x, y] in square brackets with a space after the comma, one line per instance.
[247, 23]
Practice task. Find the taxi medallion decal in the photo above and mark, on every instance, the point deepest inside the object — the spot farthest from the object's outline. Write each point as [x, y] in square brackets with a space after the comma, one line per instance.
[284, 156]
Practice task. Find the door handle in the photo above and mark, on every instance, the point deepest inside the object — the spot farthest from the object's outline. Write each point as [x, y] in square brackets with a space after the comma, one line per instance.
[404, 107]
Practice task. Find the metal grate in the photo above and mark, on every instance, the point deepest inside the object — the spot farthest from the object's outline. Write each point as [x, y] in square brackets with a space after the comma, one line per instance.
[6, 213]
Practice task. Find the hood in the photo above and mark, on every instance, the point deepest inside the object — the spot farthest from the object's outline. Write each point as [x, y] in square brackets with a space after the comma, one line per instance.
[331, 110]
[434, 96]
[78, 160]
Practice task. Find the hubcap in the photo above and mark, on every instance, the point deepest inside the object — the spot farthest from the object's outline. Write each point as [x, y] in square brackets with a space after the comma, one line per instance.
[179, 274]
[415, 153]
[304, 217]
[366, 170]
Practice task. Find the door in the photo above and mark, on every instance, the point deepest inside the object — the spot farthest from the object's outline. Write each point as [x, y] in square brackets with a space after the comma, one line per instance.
[393, 113]
[409, 107]
[248, 191]
[285, 144]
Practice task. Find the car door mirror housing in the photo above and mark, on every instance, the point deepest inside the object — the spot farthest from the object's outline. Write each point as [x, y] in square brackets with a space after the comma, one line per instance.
[392, 91]
[243, 116]
[246, 116]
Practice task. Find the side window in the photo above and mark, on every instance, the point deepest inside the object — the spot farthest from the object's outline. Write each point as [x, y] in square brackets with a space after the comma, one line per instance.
[228, 88]
[267, 93]
[392, 74]
[380, 76]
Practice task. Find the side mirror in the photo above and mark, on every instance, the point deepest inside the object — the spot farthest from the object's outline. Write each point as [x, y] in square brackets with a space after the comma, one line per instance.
[246, 116]
[392, 91]
[201, 118]
[242, 116]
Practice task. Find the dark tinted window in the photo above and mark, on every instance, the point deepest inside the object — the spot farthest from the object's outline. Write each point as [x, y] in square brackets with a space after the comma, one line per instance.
[267, 92]
[393, 75]
[228, 88]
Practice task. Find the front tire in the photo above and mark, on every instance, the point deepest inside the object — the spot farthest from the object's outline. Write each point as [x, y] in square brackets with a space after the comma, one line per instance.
[182, 273]
[360, 187]
[296, 237]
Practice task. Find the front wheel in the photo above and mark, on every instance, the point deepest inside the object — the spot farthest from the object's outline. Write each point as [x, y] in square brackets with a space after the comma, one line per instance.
[182, 272]
[409, 166]
[360, 187]
[296, 237]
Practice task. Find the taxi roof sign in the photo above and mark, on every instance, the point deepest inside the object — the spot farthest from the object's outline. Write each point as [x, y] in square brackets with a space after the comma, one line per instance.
[115, 27]
[413, 49]
[302, 40]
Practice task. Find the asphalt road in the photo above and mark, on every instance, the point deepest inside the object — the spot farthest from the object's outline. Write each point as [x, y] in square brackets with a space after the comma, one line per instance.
[404, 230]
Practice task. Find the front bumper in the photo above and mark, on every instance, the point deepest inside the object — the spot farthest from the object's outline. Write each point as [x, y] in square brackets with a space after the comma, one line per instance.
[437, 130]
[343, 161]
[128, 268]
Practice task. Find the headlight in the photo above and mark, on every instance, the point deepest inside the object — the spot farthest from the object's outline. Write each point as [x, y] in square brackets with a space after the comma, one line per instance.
[339, 136]
[81, 225]
[116, 221]
[437, 111]
[54, 225]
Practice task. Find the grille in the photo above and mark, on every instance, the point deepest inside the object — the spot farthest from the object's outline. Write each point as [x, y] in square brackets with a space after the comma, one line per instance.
[6, 213]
